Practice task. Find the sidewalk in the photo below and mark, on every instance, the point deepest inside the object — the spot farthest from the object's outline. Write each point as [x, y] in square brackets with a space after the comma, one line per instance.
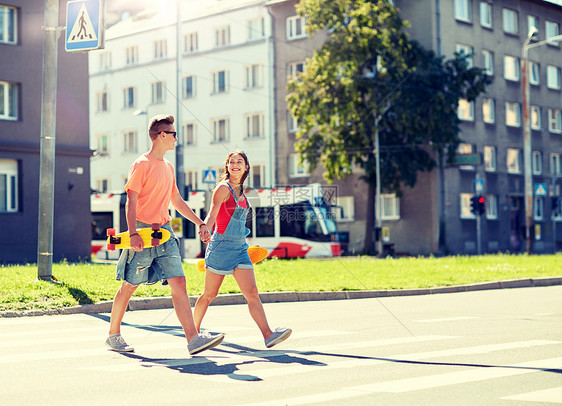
[230, 299]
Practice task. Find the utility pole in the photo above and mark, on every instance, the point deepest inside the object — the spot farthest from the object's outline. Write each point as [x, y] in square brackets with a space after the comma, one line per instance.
[48, 137]
[180, 172]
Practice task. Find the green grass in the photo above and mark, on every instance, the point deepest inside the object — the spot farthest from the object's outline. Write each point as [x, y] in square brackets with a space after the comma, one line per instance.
[91, 283]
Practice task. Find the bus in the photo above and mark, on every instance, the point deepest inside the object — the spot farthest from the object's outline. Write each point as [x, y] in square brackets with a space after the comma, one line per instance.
[290, 222]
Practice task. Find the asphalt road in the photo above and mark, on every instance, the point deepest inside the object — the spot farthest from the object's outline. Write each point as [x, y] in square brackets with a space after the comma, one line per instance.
[492, 347]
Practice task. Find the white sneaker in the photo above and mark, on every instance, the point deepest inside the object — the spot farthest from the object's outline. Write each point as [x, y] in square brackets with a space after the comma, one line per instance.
[204, 341]
[118, 343]
[280, 334]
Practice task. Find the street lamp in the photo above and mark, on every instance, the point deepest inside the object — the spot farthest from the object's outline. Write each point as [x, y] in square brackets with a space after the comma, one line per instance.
[527, 131]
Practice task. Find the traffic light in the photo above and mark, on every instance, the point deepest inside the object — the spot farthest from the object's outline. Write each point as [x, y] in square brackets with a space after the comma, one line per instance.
[481, 204]
[474, 204]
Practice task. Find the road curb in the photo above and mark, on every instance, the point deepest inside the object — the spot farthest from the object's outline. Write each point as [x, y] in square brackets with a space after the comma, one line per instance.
[276, 297]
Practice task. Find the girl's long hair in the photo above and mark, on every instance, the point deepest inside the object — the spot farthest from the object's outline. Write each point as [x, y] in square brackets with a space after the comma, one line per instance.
[225, 175]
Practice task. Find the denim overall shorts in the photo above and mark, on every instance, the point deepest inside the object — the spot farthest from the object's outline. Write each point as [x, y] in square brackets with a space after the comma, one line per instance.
[229, 251]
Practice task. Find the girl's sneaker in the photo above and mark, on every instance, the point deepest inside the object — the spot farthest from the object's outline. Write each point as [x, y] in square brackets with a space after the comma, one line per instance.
[280, 334]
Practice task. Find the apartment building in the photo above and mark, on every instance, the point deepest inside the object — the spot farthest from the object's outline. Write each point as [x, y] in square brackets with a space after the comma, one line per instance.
[21, 50]
[493, 34]
[223, 93]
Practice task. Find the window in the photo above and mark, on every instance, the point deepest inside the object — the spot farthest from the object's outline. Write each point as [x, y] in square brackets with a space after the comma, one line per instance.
[102, 185]
[555, 164]
[296, 27]
[488, 110]
[462, 10]
[511, 68]
[191, 179]
[345, 210]
[390, 207]
[102, 145]
[552, 29]
[220, 130]
[554, 121]
[294, 68]
[534, 73]
[292, 124]
[537, 163]
[189, 130]
[488, 62]
[512, 114]
[265, 222]
[510, 21]
[486, 14]
[8, 25]
[220, 84]
[489, 158]
[491, 207]
[256, 28]
[465, 149]
[129, 99]
[465, 212]
[296, 169]
[222, 36]
[535, 117]
[188, 87]
[465, 110]
[466, 50]
[538, 208]
[256, 176]
[130, 141]
[158, 93]
[8, 185]
[160, 49]
[513, 161]
[532, 21]
[254, 126]
[102, 99]
[105, 60]
[553, 77]
[132, 55]
[9, 93]
[190, 42]
[254, 76]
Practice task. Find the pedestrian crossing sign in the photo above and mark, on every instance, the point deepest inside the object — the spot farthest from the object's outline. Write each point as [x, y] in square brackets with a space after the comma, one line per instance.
[84, 25]
[209, 176]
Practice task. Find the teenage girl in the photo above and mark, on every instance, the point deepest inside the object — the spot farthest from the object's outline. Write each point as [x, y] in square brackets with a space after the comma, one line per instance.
[227, 252]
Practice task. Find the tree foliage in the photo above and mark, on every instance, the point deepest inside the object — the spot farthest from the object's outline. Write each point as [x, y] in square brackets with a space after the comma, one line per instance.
[369, 75]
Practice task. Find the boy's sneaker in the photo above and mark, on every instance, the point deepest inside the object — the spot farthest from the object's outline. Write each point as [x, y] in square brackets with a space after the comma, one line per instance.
[118, 343]
[204, 341]
[280, 334]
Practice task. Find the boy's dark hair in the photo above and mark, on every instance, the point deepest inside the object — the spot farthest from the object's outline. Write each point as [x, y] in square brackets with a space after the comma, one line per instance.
[158, 122]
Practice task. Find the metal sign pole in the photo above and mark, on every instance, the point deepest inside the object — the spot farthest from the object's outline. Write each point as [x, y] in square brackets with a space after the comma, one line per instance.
[48, 137]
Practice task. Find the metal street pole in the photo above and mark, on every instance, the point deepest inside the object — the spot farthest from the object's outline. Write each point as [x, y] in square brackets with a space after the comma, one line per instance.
[180, 172]
[527, 151]
[47, 145]
[378, 216]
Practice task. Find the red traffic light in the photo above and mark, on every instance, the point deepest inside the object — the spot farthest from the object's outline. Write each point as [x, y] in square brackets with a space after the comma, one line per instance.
[481, 199]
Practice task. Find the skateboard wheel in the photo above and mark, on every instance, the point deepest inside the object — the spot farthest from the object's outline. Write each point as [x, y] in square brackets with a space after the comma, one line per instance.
[110, 231]
[155, 242]
[155, 226]
[110, 247]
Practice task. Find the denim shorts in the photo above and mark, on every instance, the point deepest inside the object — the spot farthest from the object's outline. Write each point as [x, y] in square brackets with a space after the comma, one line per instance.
[224, 255]
[152, 264]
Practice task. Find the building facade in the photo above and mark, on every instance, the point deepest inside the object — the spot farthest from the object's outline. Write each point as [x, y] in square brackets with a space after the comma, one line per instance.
[223, 96]
[21, 47]
[493, 34]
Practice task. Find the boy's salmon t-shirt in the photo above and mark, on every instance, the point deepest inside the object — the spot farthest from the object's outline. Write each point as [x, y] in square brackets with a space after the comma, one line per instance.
[155, 182]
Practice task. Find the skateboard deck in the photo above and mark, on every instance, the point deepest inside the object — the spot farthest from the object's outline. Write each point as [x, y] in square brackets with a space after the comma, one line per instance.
[257, 254]
[151, 237]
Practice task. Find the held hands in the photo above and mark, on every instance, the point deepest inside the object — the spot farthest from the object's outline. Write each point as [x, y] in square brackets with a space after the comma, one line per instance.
[204, 233]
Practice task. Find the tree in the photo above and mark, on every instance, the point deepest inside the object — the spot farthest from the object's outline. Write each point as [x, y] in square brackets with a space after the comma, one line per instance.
[370, 76]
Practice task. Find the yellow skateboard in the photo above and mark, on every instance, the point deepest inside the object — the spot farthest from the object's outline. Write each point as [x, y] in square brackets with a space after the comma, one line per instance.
[257, 254]
[151, 237]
